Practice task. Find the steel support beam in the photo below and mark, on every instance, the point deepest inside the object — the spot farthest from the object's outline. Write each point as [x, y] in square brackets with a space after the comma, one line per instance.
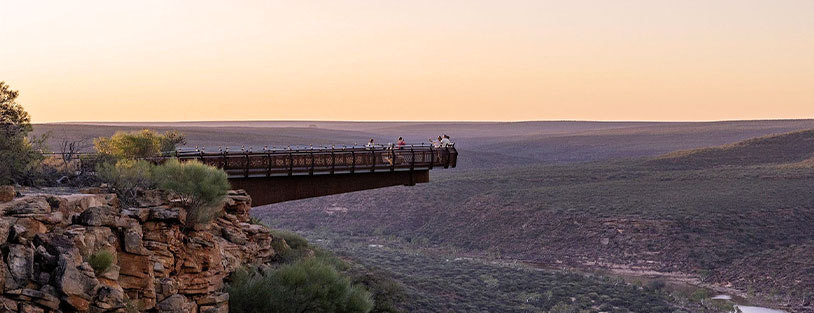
[275, 189]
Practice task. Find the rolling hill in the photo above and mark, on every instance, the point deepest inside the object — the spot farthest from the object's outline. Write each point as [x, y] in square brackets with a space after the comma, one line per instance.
[792, 147]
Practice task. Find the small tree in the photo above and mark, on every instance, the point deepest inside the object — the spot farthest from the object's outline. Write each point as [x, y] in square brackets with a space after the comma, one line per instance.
[138, 145]
[200, 187]
[70, 149]
[18, 156]
[127, 177]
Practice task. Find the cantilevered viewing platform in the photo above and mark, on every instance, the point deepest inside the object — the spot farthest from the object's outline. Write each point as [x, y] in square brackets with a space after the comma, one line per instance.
[272, 175]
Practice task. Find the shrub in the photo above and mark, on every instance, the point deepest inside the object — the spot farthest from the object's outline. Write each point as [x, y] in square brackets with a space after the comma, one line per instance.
[699, 294]
[388, 294]
[294, 240]
[656, 284]
[140, 144]
[18, 153]
[127, 177]
[200, 187]
[101, 261]
[306, 286]
[291, 247]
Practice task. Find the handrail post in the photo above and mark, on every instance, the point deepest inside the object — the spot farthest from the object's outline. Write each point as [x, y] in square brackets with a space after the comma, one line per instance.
[352, 161]
[446, 165]
[412, 161]
[392, 159]
[246, 168]
[333, 161]
[432, 157]
[268, 157]
[373, 155]
[313, 159]
[290, 163]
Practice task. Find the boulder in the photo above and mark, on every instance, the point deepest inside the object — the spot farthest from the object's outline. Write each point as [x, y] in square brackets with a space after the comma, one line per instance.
[8, 305]
[98, 216]
[95, 239]
[151, 198]
[5, 227]
[26, 228]
[26, 205]
[7, 193]
[141, 214]
[134, 265]
[77, 203]
[30, 308]
[133, 239]
[76, 283]
[166, 287]
[109, 298]
[168, 214]
[234, 235]
[45, 299]
[176, 303]
[238, 203]
[20, 262]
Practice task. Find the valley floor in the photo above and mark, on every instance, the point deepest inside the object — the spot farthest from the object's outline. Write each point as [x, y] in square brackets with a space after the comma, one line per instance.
[441, 280]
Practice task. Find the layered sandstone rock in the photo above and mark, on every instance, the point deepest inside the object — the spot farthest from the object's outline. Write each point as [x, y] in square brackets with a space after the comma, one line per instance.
[158, 265]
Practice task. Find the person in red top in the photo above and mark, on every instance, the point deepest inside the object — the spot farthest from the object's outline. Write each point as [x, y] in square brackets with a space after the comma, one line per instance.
[400, 143]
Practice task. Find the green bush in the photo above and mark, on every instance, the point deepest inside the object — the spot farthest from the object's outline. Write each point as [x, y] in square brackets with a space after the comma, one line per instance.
[294, 240]
[306, 286]
[18, 153]
[101, 261]
[127, 177]
[699, 294]
[388, 294]
[140, 144]
[657, 284]
[200, 187]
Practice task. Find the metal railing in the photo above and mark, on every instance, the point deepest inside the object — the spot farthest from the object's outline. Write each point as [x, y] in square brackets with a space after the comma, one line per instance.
[288, 161]
[323, 160]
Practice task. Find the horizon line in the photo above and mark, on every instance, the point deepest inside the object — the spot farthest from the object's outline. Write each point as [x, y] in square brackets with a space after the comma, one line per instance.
[427, 121]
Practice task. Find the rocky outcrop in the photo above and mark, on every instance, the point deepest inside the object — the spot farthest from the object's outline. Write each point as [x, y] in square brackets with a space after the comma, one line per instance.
[51, 246]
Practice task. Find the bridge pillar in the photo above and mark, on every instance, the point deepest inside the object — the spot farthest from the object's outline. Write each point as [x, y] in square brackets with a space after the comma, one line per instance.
[268, 190]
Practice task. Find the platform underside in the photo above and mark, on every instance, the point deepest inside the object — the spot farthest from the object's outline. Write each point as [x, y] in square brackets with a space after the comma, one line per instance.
[275, 189]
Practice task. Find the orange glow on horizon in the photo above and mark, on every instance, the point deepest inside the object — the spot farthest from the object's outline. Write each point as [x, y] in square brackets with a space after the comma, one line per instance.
[409, 60]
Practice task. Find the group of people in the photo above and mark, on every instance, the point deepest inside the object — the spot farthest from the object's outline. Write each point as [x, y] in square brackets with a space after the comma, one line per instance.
[442, 142]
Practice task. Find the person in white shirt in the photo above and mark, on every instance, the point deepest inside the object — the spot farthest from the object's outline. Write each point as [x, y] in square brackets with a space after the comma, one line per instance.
[445, 142]
[436, 143]
[370, 144]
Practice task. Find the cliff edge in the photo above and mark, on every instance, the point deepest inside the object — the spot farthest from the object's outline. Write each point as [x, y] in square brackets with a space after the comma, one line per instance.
[84, 252]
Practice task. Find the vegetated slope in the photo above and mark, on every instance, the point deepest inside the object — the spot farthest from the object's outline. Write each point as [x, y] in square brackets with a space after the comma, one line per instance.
[629, 214]
[789, 147]
[436, 282]
[628, 142]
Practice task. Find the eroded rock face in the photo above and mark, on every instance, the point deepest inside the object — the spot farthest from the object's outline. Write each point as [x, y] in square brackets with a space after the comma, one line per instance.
[48, 242]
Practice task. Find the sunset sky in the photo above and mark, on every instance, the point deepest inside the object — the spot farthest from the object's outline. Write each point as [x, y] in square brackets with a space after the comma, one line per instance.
[409, 60]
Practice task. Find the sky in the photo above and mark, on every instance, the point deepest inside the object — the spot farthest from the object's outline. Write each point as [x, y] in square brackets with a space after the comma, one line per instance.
[165, 60]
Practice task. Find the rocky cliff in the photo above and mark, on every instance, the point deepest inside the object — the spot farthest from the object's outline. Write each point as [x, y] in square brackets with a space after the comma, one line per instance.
[84, 252]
